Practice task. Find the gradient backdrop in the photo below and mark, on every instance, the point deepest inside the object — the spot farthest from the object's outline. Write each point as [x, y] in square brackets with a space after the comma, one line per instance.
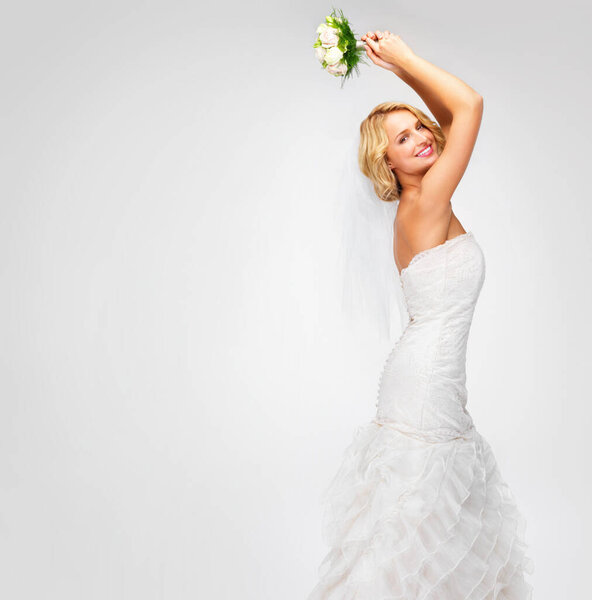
[177, 385]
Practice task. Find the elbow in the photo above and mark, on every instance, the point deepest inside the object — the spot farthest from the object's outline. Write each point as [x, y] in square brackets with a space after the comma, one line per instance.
[480, 105]
[474, 103]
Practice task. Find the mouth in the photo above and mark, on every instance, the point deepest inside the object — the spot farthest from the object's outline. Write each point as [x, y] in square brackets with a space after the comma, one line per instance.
[425, 152]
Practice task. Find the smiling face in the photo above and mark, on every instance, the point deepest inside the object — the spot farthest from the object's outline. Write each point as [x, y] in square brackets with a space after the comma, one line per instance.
[408, 137]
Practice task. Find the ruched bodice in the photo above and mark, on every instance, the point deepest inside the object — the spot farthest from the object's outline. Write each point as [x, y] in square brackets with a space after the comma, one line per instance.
[423, 383]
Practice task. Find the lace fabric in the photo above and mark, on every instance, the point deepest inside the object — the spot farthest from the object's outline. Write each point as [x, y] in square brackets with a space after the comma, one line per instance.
[418, 508]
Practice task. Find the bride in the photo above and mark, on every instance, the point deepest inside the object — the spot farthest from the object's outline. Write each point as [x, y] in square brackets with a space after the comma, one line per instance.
[418, 507]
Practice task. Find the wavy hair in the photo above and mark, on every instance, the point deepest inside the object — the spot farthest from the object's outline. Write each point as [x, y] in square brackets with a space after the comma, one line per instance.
[374, 142]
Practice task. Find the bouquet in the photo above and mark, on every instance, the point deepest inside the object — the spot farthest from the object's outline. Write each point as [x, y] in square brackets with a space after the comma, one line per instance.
[337, 48]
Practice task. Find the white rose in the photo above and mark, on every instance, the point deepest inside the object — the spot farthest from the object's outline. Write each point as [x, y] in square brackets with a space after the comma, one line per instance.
[329, 37]
[337, 69]
[333, 55]
[320, 52]
[322, 27]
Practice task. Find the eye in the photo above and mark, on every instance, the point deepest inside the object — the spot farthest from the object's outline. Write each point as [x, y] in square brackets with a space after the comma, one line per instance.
[419, 126]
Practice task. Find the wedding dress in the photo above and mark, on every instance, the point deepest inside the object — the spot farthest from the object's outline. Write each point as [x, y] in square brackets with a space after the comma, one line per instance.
[418, 508]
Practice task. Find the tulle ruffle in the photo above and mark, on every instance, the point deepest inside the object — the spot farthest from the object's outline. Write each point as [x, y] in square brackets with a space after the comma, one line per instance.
[409, 519]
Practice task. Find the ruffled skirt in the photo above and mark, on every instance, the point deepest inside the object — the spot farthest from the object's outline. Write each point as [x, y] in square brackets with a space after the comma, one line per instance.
[410, 519]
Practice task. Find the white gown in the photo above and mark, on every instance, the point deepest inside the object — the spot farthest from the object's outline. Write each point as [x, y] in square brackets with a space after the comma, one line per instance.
[418, 508]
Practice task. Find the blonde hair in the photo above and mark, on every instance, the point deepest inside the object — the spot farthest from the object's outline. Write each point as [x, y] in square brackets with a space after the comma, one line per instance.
[374, 142]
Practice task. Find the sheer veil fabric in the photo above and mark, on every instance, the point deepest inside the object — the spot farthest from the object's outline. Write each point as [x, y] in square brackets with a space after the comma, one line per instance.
[371, 294]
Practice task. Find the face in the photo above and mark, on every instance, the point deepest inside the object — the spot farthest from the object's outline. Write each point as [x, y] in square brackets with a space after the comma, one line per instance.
[407, 138]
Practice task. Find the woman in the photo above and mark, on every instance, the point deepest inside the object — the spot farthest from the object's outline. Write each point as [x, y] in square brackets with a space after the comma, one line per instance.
[418, 508]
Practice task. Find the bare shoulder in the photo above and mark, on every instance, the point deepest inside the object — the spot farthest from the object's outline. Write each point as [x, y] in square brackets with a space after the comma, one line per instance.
[414, 231]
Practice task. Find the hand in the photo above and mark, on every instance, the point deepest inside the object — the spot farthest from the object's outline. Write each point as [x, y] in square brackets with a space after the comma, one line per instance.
[386, 49]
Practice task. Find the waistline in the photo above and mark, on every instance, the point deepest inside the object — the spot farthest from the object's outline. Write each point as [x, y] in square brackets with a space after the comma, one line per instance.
[439, 435]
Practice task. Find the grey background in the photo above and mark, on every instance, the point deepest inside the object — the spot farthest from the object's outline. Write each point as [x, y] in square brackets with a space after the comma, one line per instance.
[177, 384]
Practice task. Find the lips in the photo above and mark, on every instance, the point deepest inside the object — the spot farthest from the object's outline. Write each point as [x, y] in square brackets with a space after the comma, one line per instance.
[425, 152]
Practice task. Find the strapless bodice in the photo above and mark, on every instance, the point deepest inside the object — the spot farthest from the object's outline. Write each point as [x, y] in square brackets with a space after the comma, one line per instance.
[423, 384]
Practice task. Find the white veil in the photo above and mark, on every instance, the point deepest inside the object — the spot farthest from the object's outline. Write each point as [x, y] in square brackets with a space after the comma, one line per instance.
[371, 296]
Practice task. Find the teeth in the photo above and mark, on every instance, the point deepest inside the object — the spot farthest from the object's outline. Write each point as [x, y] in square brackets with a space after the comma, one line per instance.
[424, 152]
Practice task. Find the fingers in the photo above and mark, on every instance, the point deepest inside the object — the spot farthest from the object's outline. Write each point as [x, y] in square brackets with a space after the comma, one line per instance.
[373, 40]
[370, 52]
[379, 35]
[375, 35]
[370, 43]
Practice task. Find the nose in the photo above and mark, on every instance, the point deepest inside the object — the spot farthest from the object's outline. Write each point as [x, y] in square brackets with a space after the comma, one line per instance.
[422, 139]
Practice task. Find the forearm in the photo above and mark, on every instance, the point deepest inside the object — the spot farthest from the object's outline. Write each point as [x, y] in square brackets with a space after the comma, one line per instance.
[443, 93]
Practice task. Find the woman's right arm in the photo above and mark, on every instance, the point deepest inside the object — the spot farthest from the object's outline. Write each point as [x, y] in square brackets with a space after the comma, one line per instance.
[457, 107]
[444, 94]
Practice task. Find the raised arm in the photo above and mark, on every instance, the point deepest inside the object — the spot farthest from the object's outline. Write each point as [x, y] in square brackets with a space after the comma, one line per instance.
[457, 107]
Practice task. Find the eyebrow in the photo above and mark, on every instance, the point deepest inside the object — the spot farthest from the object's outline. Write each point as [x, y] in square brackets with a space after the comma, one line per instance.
[404, 130]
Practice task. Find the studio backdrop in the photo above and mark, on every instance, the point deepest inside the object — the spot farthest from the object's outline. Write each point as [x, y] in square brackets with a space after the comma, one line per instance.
[177, 380]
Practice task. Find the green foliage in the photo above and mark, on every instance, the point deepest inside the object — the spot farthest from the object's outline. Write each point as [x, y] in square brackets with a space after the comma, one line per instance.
[352, 56]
